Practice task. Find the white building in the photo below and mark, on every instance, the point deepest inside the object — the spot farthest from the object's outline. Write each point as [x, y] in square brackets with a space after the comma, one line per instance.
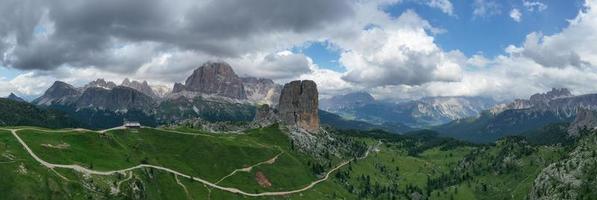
[132, 125]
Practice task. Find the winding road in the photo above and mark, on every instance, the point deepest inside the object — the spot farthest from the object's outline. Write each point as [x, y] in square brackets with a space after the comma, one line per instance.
[205, 182]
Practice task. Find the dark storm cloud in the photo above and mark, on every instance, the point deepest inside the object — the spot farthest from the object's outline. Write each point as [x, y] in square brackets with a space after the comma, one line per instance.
[87, 32]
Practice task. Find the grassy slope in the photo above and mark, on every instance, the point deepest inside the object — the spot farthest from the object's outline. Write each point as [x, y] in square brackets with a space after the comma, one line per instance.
[213, 156]
[209, 157]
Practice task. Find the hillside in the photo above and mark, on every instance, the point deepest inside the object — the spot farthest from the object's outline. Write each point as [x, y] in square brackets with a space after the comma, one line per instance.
[19, 113]
[173, 163]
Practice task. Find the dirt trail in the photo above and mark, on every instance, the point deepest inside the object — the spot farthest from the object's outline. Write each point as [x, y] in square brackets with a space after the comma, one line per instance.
[81, 169]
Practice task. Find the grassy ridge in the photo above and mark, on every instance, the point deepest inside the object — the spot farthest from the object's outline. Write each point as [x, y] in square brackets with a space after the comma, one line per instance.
[396, 169]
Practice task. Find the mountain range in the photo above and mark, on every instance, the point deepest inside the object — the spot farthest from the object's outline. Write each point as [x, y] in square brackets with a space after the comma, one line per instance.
[425, 112]
[521, 115]
[214, 92]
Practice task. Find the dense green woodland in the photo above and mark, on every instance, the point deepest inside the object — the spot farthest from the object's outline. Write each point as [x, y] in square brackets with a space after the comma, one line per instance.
[15, 113]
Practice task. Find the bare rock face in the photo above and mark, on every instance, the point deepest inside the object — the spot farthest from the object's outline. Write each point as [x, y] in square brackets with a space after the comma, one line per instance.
[58, 92]
[585, 119]
[298, 105]
[118, 98]
[140, 86]
[544, 98]
[101, 83]
[215, 78]
[265, 115]
[261, 90]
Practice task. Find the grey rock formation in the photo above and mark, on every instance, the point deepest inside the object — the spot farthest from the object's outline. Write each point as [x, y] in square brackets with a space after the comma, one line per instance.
[261, 90]
[139, 86]
[214, 78]
[178, 87]
[59, 92]
[298, 105]
[14, 97]
[119, 98]
[101, 83]
[585, 119]
[265, 115]
[544, 98]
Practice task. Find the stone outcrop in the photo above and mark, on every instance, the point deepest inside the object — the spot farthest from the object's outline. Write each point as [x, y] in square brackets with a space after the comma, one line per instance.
[265, 115]
[58, 92]
[119, 98]
[544, 98]
[101, 83]
[261, 90]
[298, 105]
[214, 78]
[142, 87]
[585, 119]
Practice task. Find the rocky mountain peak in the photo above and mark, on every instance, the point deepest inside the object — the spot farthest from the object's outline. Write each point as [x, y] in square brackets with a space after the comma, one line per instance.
[346, 101]
[14, 97]
[544, 98]
[265, 115]
[119, 98]
[298, 105]
[59, 90]
[140, 86]
[100, 83]
[215, 78]
[262, 90]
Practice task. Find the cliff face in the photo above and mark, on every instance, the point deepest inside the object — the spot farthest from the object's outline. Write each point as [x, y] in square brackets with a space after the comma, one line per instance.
[139, 86]
[298, 105]
[261, 90]
[265, 115]
[118, 98]
[58, 92]
[215, 79]
[585, 119]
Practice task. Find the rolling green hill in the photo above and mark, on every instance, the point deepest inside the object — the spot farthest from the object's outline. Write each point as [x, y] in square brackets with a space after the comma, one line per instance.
[172, 163]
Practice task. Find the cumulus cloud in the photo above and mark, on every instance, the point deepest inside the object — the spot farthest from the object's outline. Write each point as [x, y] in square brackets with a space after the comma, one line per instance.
[283, 65]
[89, 33]
[485, 8]
[516, 15]
[444, 5]
[534, 5]
[403, 54]
[393, 57]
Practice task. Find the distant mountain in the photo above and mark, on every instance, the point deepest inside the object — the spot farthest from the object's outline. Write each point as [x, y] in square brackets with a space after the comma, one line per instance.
[424, 112]
[346, 102]
[142, 87]
[14, 97]
[333, 120]
[99, 104]
[161, 91]
[100, 83]
[214, 78]
[18, 113]
[555, 106]
[261, 90]
[213, 92]
[119, 98]
[59, 93]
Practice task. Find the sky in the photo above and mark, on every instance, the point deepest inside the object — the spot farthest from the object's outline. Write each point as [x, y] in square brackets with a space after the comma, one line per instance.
[393, 49]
